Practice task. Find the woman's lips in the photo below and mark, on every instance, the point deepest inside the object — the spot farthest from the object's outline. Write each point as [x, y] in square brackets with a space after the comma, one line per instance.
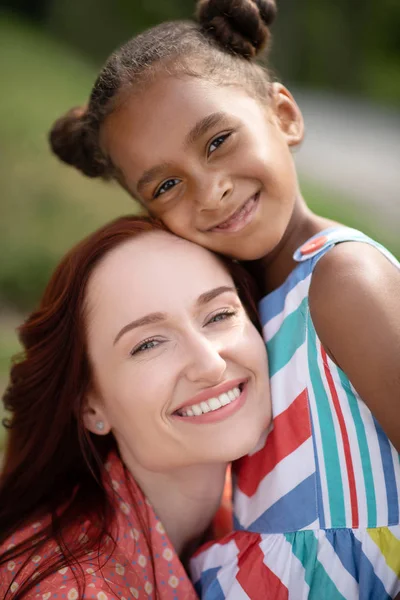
[240, 218]
[219, 414]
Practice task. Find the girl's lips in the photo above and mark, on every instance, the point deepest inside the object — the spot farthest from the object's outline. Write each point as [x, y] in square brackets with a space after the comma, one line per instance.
[240, 218]
[221, 413]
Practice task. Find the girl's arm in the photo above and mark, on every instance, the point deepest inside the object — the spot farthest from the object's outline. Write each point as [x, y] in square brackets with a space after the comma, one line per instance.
[355, 308]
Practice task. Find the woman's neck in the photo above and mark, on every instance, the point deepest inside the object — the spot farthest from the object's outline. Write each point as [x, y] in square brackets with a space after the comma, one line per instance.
[185, 500]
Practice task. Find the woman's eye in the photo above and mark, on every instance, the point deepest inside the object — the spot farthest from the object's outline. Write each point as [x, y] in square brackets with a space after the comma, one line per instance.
[145, 346]
[166, 186]
[221, 316]
[217, 142]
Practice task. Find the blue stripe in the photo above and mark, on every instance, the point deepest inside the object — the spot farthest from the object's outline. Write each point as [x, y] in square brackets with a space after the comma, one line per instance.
[342, 541]
[295, 510]
[305, 548]
[208, 587]
[273, 304]
[363, 448]
[324, 419]
[320, 504]
[390, 479]
[350, 553]
[290, 336]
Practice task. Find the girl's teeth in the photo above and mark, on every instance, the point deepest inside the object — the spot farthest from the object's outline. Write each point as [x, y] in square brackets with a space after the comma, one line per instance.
[211, 404]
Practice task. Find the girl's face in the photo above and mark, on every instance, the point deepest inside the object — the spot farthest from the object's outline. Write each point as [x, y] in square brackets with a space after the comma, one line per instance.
[180, 373]
[210, 161]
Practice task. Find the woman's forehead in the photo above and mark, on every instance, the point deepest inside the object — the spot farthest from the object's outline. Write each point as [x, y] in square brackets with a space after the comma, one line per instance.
[155, 268]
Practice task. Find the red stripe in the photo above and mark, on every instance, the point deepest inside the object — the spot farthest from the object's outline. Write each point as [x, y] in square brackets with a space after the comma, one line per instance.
[345, 439]
[291, 429]
[256, 579]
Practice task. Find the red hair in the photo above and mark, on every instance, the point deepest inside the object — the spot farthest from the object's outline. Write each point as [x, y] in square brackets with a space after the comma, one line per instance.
[53, 465]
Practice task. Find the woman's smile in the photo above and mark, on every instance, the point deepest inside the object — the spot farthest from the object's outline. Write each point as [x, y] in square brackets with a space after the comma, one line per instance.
[215, 404]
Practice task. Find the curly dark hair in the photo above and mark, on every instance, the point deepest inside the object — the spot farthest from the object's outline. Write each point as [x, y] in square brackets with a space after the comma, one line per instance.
[220, 45]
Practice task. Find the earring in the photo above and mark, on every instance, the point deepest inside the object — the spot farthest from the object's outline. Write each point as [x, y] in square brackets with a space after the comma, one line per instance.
[99, 425]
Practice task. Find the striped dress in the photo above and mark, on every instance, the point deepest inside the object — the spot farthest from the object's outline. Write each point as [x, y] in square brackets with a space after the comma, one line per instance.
[316, 504]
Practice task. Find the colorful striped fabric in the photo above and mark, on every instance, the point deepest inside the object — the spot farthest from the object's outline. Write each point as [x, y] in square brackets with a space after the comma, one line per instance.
[317, 502]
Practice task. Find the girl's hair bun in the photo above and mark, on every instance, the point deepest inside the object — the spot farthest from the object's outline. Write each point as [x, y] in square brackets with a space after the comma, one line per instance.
[69, 140]
[240, 26]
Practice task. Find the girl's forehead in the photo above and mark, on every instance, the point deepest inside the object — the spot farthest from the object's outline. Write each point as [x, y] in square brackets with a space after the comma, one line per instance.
[153, 123]
[174, 98]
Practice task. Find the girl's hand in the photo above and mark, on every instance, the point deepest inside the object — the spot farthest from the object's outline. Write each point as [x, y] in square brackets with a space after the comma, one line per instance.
[355, 308]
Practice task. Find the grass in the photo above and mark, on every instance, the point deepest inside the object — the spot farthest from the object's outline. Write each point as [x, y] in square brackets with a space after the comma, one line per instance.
[47, 206]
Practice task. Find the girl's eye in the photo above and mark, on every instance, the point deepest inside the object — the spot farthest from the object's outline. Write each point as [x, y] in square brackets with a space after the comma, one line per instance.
[145, 346]
[217, 142]
[166, 186]
[223, 315]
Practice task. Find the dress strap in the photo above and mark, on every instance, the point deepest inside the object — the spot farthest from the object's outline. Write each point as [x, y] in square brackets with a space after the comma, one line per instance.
[318, 245]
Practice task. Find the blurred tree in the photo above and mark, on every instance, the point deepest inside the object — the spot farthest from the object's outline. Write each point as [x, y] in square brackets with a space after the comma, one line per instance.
[34, 9]
[97, 26]
[348, 46]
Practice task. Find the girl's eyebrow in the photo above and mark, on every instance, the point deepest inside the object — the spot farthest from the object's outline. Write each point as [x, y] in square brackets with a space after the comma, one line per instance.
[203, 126]
[197, 131]
[151, 174]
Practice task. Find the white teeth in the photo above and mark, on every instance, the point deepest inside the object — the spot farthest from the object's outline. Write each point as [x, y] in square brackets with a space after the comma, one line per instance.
[211, 404]
[214, 403]
[226, 398]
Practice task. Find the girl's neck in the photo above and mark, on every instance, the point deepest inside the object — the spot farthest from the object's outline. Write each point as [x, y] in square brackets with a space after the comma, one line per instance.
[185, 500]
[273, 269]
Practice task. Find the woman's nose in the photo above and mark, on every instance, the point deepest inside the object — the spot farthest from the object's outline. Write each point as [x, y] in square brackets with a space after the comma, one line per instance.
[204, 360]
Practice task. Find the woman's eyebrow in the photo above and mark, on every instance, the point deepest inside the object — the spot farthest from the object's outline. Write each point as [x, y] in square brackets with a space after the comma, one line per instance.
[146, 320]
[211, 294]
[158, 317]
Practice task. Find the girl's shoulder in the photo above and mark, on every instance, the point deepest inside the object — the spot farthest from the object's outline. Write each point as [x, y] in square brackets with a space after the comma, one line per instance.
[354, 302]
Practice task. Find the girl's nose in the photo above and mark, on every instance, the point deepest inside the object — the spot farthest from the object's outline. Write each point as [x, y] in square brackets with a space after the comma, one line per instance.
[204, 360]
[211, 196]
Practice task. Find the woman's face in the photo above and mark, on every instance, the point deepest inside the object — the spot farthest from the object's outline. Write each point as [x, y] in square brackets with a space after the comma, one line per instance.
[180, 374]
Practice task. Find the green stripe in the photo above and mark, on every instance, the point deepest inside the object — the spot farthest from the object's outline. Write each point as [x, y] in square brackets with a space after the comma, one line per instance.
[289, 337]
[328, 436]
[305, 548]
[364, 449]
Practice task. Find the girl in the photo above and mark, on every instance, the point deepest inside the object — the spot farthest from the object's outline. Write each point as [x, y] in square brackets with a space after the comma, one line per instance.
[112, 472]
[190, 125]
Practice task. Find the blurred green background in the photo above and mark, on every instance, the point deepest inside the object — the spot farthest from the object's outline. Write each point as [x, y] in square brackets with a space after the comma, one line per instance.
[50, 53]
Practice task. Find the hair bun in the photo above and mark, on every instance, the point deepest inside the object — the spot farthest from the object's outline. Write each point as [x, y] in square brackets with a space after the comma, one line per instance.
[240, 26]
[69, 141]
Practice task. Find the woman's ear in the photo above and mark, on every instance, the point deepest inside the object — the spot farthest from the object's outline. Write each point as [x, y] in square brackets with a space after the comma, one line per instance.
[94, 417]
[287, 114]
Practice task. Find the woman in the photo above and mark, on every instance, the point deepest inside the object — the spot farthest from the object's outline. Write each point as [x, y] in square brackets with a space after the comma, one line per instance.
[142, 377]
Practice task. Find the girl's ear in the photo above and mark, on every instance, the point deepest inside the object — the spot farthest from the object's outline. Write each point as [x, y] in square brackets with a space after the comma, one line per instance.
[287, 114]
[94, 417]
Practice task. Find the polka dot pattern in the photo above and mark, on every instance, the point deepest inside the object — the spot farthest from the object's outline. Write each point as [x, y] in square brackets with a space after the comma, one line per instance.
[126, 572]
